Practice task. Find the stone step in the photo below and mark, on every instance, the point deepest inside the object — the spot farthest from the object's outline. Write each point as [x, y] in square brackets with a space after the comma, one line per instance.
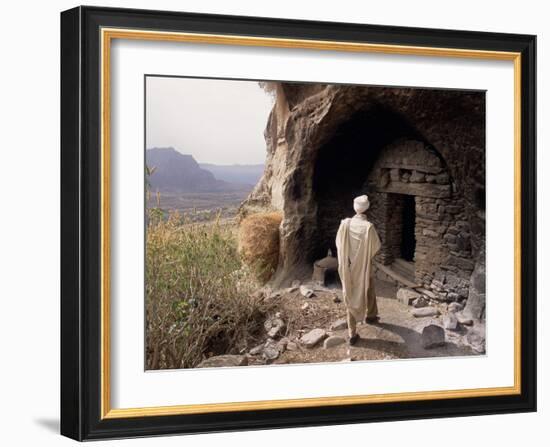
[405, 273]
[397, 277]
[402, 267]
[406, 266]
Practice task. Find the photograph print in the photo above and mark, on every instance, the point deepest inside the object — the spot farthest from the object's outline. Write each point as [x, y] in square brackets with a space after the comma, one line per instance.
[294, 223]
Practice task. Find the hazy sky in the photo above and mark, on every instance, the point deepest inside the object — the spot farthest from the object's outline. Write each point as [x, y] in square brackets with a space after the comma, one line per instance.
[216, 121]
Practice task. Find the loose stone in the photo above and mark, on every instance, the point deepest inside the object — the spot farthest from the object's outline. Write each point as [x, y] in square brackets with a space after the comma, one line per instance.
[339, 325]
[425, 312]
[257, 350]
[450, 322]
[464, 320]
[313, 337]
[291, 346]
[433, 336]
[407, 296]
[271, 353]
[420, 302]
[455, 307]
[476, 338]
[274, 326]
[307, 291]
[333, 341]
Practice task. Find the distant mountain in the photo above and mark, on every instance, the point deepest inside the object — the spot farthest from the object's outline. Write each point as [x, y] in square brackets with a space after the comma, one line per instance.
[174, 171]
[177, 172]
[240, 174]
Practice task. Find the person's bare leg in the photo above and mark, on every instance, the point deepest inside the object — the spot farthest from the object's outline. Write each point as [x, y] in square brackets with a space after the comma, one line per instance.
[352, 329]
[372, 305]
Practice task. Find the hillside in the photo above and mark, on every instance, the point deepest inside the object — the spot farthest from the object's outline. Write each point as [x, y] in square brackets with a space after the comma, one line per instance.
[177, 172]
[241, 174]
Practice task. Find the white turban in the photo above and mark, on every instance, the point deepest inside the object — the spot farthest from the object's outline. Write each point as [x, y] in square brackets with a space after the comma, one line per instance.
[361, 204]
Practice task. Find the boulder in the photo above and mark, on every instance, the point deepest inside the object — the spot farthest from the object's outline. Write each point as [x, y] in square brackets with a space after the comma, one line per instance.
[282, 344]
[219, 361]
[463, 319]
[429, 294]
[271, 352]
[339, 325]
[407, 296]
[450, 322]
[455, 307]
[425, 312]
[257, 350]
[475, 306]
[420, 302]
[453, 296]
[313, 337]
[333, 341]
[476, 338]
[307, 291]
[274, 327]
[291, 346]
[433, 336]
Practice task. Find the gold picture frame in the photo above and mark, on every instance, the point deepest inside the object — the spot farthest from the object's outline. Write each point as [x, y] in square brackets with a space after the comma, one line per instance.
[517, 49]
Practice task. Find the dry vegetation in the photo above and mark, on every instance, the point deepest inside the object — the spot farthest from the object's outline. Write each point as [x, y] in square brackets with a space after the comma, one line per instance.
[199, 296]
[259, 243]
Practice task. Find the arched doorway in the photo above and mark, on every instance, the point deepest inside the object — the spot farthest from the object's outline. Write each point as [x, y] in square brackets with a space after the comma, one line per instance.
[413, 201]
[343, 165]
[411, 193]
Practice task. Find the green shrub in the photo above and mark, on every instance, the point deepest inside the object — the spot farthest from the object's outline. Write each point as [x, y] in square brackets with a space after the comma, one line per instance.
[199, 296]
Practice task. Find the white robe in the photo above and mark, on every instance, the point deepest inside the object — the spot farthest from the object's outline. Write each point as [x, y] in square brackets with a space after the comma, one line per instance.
[357, 242]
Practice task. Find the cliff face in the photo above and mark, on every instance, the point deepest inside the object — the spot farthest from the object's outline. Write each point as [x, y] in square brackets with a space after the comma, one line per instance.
[329, 143]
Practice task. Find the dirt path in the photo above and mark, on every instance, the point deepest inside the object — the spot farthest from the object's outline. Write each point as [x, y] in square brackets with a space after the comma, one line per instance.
[398, 334]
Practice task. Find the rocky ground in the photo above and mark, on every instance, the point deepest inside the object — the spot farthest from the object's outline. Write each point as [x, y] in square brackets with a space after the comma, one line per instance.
[309, 326]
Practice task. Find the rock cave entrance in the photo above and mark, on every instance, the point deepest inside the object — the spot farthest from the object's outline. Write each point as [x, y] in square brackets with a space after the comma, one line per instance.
[329, 143]
[342, 169]
[378, 153]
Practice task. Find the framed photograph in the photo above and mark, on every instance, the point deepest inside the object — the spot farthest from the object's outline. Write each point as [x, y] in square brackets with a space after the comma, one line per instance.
[273, 223]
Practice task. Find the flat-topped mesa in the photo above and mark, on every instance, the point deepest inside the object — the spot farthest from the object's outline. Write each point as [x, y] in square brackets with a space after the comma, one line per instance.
[418, 153]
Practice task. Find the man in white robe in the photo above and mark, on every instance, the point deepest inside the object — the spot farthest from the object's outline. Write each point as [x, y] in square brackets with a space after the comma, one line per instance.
[357, 243]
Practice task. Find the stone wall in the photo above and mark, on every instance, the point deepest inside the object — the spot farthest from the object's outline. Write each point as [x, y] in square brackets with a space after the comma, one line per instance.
[385, 212]
[443, 254]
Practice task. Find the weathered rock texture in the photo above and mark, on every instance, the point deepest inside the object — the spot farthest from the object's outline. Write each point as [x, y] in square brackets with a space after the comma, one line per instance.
[403, 147]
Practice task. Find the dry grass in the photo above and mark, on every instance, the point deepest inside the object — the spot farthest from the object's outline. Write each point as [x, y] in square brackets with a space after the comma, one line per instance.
[199, 296]
[259, 243]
